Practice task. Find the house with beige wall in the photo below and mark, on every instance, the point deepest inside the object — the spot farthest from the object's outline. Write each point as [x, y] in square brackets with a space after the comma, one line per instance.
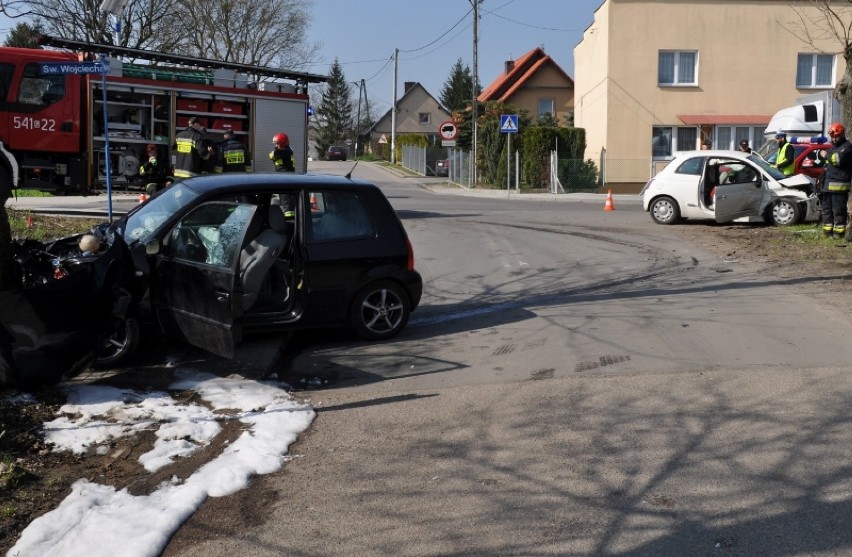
[536, 83]
[656, 77]
[418, 112]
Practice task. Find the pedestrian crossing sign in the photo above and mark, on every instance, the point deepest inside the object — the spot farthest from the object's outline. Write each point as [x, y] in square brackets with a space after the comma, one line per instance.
[508, 123]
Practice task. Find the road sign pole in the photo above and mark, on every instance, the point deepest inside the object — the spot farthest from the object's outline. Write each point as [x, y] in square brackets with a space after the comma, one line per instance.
[508, 164]
[108, 166]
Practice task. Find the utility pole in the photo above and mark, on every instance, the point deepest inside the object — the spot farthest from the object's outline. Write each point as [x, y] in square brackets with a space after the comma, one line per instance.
[361, 91]
[474, 107]
[393, 107]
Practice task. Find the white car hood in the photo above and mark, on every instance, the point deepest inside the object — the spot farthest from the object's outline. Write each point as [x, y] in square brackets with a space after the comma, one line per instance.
[797, 181]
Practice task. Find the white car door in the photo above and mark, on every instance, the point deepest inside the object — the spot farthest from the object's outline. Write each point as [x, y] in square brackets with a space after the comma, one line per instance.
[739, 189]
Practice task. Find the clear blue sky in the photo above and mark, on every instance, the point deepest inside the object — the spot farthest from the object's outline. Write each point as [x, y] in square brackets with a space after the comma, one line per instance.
[432, 35]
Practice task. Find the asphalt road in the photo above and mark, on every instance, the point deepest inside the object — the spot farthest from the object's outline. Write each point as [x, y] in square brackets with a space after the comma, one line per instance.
[576, 382]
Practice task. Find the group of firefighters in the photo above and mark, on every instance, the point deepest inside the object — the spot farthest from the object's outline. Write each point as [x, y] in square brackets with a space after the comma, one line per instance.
[196, 155]
[834, 184]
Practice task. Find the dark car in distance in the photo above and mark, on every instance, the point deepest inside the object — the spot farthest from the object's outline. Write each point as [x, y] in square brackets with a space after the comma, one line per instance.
[442, 168]
[336, 153]
[222, 255]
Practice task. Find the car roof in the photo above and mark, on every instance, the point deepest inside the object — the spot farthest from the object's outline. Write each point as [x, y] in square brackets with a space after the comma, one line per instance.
[271, 182]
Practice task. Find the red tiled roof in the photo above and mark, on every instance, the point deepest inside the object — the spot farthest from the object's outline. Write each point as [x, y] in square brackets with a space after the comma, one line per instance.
[524, 68]
[724, 119]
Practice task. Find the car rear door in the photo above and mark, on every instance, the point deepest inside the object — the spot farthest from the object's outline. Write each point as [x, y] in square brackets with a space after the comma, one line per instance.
[739, 190]
[195, 280]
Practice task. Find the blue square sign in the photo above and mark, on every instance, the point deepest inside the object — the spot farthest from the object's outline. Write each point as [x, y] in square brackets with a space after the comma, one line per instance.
[508, 123]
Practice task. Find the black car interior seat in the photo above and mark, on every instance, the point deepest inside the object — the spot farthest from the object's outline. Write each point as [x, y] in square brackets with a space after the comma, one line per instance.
[259, 255]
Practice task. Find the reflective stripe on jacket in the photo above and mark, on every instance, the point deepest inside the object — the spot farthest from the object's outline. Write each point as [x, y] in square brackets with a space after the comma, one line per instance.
[838, 171]
[191, 153]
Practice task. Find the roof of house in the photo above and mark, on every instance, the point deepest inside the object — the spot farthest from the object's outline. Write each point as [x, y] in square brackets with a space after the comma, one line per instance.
[409, 88]
[521, 71]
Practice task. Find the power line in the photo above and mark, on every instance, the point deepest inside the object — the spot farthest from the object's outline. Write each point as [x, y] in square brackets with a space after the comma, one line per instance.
[442, 35]
[532, 26]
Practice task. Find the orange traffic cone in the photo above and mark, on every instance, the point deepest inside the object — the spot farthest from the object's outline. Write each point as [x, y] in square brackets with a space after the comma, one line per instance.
[609, 206]
[314, 204]
[143, 198]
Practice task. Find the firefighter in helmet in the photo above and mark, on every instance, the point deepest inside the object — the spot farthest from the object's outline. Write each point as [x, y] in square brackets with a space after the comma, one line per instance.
[837, 181]
[192, 150]
[232, 155]
[282, 155]
[156, 171]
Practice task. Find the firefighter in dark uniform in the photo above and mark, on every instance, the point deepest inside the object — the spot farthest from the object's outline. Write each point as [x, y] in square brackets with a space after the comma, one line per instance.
[156, 171]
[837, 181]
[191, 149]
[232, 155]
[282, 155]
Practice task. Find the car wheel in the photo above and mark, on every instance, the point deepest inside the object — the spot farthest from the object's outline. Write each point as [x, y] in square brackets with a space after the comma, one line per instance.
[785, 212]
[120, 344]
[380, 310]
[664, 210]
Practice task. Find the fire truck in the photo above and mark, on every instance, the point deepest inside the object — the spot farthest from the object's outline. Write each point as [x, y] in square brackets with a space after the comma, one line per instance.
[55, 128]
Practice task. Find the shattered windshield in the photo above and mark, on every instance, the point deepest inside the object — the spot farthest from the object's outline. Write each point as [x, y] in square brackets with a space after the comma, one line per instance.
[141, 224]
[766, 167]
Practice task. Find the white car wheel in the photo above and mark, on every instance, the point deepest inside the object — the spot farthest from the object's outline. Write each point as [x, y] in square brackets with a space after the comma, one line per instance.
[664, 210]
[785, 212]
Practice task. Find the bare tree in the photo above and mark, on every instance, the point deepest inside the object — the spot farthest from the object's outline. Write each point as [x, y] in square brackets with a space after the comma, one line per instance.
[146, 24]
[269, 33]
[828, 22]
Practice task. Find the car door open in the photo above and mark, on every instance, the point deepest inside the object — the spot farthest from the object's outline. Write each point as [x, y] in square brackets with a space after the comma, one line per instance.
[194, 287]
[739, 189]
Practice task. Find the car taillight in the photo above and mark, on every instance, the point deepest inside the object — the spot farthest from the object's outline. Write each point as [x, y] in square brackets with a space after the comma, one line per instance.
[410, 262]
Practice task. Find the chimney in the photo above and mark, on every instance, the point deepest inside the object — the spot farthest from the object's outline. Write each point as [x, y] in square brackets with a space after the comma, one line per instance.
[510, 65]
[408, 85]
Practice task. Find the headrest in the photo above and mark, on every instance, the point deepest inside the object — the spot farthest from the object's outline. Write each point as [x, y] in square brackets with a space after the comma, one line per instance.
[277, 222]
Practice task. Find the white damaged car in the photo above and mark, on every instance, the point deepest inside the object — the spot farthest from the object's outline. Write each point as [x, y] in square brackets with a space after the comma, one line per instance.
[728, 186]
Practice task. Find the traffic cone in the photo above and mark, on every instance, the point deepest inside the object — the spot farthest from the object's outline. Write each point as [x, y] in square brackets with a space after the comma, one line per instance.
[314, 204]
[143, 198]
[609, 206]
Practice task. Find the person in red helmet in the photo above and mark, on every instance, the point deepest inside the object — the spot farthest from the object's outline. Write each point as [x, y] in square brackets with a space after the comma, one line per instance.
[837, 181]
[282, 155]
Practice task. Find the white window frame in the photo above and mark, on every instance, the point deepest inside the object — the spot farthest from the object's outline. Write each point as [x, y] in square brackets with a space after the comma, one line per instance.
[551, 110]
[754, 136]
[813, 61]
[676, 143]
[425, 118]
[676, 79]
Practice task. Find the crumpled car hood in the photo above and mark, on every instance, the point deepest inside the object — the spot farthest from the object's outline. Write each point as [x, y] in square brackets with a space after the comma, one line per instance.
[798, 181]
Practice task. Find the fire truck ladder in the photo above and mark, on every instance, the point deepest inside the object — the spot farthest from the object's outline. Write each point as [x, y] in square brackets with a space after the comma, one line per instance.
[300, 78]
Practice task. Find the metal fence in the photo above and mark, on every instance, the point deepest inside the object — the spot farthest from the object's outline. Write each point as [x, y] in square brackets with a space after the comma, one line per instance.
[566, 175]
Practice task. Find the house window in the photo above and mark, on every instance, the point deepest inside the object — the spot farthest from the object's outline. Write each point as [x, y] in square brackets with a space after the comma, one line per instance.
[425, 118]
[729, 137]
[665, 140]
[545, 106]
[815, 70]
[678, 68]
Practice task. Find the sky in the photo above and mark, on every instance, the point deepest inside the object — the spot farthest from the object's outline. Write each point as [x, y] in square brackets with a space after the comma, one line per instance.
[431, 36]
[99, 521]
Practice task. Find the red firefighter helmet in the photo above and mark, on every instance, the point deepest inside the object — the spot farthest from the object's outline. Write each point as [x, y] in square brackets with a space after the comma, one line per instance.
[281, 139]
[836, 129]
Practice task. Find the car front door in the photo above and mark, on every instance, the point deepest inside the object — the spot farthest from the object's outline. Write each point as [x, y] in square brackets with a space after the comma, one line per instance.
[194, 284]
[739, 189]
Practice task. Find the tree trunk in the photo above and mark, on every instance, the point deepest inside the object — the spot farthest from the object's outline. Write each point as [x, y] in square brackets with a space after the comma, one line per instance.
[843, 93]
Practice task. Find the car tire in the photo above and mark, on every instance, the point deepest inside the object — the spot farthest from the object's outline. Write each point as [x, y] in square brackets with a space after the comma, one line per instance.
[664, 210]
[785, 212]
[120, 345]
[380, 310]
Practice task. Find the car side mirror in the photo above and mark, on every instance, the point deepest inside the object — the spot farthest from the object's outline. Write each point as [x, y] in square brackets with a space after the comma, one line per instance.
[152, 247]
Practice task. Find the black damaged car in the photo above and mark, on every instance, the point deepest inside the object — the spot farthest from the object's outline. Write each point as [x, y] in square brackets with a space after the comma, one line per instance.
[215, 257]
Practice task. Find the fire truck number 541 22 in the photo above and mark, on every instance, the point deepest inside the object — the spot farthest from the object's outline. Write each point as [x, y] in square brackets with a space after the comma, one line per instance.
[27, 123]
